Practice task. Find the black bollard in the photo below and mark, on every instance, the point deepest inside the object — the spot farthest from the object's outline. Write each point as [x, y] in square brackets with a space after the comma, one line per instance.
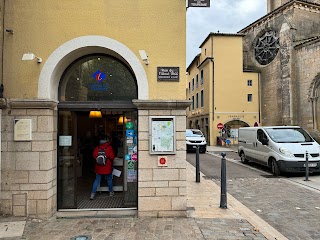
[223, 196]
[197, 165]
[307, 167]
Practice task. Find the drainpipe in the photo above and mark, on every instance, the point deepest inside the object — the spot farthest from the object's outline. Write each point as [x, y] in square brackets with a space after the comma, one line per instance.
[1, 81]
[2, 40]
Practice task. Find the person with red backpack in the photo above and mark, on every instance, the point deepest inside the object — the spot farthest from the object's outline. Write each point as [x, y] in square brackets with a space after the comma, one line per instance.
[105, 168]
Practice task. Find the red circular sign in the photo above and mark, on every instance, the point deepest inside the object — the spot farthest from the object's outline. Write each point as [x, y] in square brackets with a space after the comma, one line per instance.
[162, 161]
[220, 126]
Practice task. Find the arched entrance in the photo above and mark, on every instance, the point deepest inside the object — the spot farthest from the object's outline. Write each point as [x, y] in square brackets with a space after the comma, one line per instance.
[230, 130]
[106, 85]
[314, 97]
[77, 96]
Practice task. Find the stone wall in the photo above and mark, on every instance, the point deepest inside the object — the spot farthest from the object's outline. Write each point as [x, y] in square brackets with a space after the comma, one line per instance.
[308, 71]
[162, 190]
[284, 81]
[28, 168]
[275, 76]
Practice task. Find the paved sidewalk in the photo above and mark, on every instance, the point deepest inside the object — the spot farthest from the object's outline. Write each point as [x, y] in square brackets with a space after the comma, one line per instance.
[206, 220]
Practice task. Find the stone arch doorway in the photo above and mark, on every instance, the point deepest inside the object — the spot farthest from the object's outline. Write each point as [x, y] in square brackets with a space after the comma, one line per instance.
[231, 130]
[314, 97]
[104, 84]
[72, 75]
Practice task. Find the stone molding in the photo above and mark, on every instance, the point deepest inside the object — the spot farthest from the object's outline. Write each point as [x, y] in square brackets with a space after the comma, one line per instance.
[32, 104]
[161, 104]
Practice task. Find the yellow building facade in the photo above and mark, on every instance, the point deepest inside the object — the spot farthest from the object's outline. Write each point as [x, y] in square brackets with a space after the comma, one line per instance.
[63, 59]
[223, 91]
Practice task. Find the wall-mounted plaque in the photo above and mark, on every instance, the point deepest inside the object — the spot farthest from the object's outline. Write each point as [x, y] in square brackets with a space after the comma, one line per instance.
[198, 3]
[22, 130]
[162, 135]
[170, 74]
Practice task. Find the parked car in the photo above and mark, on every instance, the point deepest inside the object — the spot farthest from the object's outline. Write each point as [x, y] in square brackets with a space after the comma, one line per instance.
[282, 148]
[194, 138]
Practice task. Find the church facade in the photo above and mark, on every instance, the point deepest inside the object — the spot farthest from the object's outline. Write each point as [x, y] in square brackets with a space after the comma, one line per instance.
[284, 46]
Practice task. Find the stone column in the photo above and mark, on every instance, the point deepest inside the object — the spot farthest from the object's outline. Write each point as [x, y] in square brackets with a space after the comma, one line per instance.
[28, 173]
[161, 190]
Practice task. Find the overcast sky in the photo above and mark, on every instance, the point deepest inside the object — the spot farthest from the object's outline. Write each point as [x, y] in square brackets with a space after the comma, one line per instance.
[225, 16]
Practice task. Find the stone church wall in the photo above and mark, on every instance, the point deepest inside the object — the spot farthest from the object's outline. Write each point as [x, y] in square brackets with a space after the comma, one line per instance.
[285, 81]
[275, 76]
[308, 62]
[305, 24]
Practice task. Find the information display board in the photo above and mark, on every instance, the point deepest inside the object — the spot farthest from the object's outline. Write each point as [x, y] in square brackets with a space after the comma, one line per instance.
[162, 135]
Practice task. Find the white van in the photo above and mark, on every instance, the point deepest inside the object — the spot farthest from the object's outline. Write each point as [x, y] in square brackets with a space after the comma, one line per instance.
[282, 148]
[194, 139]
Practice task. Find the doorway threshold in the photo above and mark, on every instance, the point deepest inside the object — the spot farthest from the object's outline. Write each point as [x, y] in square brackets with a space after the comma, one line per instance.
[97, 213]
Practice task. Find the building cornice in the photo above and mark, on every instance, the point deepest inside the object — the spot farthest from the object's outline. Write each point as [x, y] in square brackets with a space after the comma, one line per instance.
[299, 4]
[308, 41]
[32, 104]
[204, 62]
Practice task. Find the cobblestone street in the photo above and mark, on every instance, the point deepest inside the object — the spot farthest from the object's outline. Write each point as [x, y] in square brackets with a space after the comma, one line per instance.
[292, 210]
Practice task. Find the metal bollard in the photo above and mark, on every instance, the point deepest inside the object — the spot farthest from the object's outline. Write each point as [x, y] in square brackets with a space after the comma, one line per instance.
[223, 196]
[197, 165]
[307, 167]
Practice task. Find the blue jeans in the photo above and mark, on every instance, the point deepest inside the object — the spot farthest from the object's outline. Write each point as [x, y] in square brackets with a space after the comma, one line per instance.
[98, 180]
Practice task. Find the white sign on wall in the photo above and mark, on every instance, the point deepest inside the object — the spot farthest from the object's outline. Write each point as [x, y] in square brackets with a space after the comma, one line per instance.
[65, 141]
[22, 130]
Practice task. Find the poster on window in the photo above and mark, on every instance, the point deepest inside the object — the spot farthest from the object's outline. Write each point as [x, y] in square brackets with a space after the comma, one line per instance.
[132, 176]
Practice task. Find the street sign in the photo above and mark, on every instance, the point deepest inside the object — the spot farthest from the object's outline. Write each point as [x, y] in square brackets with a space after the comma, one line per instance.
[162, 161]
[198, 3]
[220, 126]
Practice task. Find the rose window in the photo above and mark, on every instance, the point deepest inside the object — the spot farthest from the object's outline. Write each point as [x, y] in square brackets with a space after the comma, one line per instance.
[267, 47]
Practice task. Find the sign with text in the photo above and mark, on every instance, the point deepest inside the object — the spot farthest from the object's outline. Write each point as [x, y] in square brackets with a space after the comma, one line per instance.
[198, 3]
[170, 74]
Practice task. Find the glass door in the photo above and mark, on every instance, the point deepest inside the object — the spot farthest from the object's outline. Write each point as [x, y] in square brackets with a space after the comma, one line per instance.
[67, 159]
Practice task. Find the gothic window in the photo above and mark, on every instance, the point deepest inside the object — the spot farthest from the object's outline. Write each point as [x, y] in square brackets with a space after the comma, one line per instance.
[267, 47]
